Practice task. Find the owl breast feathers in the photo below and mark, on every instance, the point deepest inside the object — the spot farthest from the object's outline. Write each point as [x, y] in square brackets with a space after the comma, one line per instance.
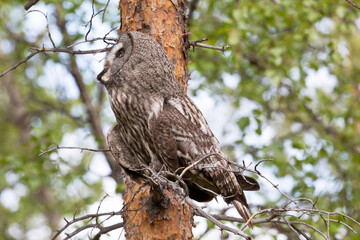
[160, 127]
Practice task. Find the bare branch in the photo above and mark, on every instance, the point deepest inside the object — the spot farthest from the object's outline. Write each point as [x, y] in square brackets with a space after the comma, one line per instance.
[85, 217]
[198, 44]
[346, 225]
[39, 50]
[93, 40]
[291, 227]
[196, 162]
[106, 35]
[277, 217]
[91, 19]
[104, 10]
[300, 223]
[93, 15]
[215, 221]
[70, 51]
[30, 3]
[276, 186]
[47, 25]
[104, 230]
[19, 63]
[328, 226]
[80, 229]
[353, 4]
[80, 148]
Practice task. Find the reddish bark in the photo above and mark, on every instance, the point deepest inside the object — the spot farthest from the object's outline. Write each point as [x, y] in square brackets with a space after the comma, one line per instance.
[173, 221]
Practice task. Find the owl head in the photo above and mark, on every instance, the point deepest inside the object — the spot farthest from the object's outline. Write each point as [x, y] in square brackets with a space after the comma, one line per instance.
[116, 58]
[138, 64]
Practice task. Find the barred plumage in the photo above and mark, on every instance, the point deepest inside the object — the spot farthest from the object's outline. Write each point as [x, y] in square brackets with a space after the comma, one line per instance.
[159, 126]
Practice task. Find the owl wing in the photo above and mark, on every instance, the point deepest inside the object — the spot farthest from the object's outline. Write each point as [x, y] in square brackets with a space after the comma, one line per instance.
[177, 137]
[183, 136]
[122, 154]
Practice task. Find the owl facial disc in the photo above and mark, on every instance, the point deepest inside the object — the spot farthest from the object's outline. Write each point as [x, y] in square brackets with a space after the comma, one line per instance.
[115, 52]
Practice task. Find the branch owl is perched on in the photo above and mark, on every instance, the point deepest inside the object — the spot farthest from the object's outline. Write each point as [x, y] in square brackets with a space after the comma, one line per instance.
[160, 127]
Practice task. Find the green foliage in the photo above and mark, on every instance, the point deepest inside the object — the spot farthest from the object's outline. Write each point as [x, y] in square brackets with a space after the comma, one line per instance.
[276, 47]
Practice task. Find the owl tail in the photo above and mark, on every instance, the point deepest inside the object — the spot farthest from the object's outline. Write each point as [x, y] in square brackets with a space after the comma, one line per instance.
[244, 212]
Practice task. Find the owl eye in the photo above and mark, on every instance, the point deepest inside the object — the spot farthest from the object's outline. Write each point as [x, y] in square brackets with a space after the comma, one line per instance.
[120, 52]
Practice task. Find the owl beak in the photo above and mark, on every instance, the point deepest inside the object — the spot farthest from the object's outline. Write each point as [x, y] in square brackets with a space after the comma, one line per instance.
[106, 68]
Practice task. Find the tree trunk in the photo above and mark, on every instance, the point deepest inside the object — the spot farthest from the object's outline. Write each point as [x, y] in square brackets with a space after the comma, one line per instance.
[165, 21]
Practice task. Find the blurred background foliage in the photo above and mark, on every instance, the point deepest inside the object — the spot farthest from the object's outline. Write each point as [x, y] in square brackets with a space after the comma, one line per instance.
[292, 77]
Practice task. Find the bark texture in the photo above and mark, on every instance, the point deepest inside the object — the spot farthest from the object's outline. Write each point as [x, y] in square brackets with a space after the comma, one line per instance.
[145, 216]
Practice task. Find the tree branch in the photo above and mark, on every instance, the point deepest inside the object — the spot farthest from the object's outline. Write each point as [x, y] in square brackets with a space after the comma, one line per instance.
[196, 162]
[93, 40]
[70, 51]
[215, 221]
[80, 148]
[62, 50]
[19, 63]
[85, 217]
[47, 25]
[353, 4]
[104, 230]
[198, 44]
[30, 3]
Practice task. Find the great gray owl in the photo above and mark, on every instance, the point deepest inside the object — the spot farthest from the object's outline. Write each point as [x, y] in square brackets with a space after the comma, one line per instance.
[160, 127]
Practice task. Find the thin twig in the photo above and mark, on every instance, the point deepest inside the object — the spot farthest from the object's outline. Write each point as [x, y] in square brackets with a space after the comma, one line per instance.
[80, 229]
[19, 63]
[198, 44]
[39, 50]
[107, 34]
[276, 186]
[104, 10]
[196, 162]
[346, 225]
[301, 223]
[88, 216]
[93, 40]
[215, 221]
[354, 5]
[328, 226]
[47, 25]
[91, 19]
[291, 227]
[301, 232]
[64, 50]
[104, 230]
[30, 3]
[273, 219]
[80, 148]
